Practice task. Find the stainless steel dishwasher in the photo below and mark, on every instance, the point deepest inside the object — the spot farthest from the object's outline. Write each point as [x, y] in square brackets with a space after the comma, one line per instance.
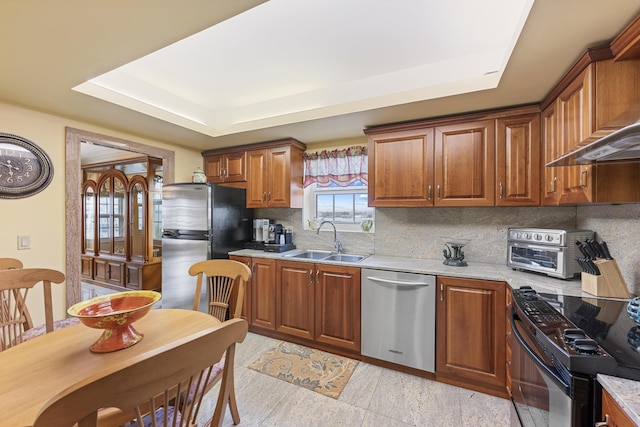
[399, 318]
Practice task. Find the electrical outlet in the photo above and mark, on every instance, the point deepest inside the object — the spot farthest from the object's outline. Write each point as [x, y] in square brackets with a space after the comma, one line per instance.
[24, 242]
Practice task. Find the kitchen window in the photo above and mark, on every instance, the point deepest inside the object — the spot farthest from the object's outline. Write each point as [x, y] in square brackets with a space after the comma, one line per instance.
[336, 189]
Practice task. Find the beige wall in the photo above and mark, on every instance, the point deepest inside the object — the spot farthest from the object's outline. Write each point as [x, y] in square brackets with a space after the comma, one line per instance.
[42, 216]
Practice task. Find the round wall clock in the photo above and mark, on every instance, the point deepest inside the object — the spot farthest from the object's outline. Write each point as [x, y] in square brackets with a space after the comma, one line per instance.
[25, 169]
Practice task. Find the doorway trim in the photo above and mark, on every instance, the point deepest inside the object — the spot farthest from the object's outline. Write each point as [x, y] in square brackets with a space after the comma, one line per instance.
[73, 190]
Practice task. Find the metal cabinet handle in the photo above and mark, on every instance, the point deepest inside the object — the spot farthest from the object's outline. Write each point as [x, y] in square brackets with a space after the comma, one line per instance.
[501, 190]
[604, 423]
[311, 277]
[269, 196]
[438, 187]
[317, 276]
[429, 193]
[264, 197]
[253, 268]
[552, 185]
[582, 182]
[441, 291]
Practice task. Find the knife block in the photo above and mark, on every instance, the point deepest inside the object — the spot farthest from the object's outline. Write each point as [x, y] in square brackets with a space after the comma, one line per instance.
[609, 283]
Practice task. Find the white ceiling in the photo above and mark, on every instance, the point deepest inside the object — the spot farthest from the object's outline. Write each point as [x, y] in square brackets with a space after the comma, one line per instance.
[310, 59]
[49, 48]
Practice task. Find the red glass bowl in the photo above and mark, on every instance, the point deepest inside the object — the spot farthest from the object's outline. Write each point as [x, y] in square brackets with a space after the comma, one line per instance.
[115, 313]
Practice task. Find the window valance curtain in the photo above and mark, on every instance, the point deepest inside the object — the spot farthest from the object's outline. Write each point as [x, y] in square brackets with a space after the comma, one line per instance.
[341, 167]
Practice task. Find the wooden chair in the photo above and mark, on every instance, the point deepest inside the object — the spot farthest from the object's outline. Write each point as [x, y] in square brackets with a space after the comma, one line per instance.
[10, 263]
[16, 325]
[153, 383]
[221, 274]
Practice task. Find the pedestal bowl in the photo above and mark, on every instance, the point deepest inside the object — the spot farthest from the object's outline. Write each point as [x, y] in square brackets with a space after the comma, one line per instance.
[115, 313]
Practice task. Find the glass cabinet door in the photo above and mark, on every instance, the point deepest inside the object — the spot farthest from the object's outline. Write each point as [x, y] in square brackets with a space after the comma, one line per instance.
[104, 227]
[137, 218]
[119, 218]
[89, 207]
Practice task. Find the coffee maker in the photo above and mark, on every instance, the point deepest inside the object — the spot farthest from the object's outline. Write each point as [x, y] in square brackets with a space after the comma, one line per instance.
[261, 229]
[280, 239]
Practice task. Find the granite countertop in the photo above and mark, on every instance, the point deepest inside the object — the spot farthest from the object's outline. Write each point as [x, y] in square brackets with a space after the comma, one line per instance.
[625, 392]
[475, 270]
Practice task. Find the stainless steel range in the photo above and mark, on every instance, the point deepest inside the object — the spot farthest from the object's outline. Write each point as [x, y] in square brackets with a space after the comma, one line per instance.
[544, 250]
[560, 343]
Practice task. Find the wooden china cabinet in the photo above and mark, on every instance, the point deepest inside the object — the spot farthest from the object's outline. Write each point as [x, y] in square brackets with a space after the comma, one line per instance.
[121, 224]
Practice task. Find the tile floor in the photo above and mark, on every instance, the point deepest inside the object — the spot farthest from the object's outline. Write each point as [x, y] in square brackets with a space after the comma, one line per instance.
[374, 397]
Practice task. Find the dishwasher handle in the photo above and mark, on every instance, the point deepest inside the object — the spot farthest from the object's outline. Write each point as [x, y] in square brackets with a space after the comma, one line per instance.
[397, 282]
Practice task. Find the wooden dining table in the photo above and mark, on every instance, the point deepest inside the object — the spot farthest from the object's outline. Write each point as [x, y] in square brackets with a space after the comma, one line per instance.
[35, 371]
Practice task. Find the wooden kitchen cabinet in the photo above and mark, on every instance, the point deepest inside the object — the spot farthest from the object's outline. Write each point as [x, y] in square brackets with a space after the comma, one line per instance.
[226, 167]
[319, 302]
[246, 304]
[471, 334]
[401, 168]
[433, 165]
[263, 293]
[518, 160]
[465, 164]
[613, 414]
[275, 175]
[591, 97]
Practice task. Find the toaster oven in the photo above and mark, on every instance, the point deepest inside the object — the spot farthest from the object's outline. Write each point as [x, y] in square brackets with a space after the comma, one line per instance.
[544, 250]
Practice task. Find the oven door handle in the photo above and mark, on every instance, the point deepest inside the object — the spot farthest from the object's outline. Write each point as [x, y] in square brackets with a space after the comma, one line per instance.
[566, 388]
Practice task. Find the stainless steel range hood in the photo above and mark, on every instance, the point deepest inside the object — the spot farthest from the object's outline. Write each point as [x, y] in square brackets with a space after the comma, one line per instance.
[622, 145]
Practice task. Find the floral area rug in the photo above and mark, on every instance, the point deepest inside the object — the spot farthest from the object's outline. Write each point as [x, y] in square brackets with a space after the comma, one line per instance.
[324, 373]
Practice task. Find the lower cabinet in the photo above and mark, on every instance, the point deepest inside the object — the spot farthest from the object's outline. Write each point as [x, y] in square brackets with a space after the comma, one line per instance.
[613, 414]
[263, 293]
[471, 334]
[117, 274]
[246, 304]
[319, 302]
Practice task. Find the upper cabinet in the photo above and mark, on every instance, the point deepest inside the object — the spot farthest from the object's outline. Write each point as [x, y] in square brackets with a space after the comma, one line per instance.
[475, 160]
[464, 164]
[271, 172]
[587, 104]
[401, 168]
[518, 160]
[226, 167]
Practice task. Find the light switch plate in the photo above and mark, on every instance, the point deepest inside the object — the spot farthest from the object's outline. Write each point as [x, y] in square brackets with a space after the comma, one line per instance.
[24, 242]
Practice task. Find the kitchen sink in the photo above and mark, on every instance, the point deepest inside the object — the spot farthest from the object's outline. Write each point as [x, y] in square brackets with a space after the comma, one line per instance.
[327, 256]
[310, 255]
[345, 258]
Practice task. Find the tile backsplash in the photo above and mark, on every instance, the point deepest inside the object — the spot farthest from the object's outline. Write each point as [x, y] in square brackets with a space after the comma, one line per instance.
[421, 232]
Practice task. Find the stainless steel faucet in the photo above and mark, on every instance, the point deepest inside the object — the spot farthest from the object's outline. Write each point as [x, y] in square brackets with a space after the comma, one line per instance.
[336, 243]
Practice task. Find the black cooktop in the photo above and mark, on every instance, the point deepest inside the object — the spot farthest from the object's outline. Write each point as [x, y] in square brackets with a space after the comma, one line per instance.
[607, 322]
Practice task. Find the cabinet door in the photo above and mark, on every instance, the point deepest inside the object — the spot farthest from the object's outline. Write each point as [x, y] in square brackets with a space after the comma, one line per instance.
[518, 161]
[246, 304]
[235, 167]
[294, 299]
[613, 413]
[337, 306]
[464, 164]
[551, 145]
[263, 293]
[214, 168]
[401, 169]
[577, 104]
[278, 177]
[470, 337]
[257, 179]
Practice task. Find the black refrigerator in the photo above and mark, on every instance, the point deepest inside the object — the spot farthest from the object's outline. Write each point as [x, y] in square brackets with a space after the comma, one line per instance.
[199, 222]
